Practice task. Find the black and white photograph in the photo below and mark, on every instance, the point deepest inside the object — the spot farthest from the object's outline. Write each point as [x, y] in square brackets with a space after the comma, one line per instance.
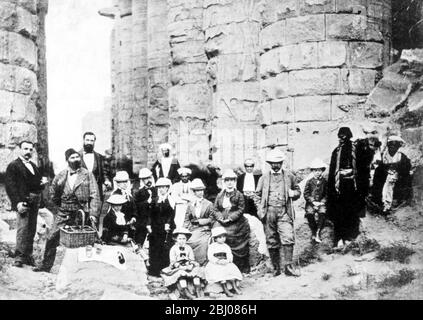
[216, 151]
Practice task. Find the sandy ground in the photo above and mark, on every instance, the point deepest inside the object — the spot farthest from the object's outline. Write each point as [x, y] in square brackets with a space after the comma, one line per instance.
[326, 275]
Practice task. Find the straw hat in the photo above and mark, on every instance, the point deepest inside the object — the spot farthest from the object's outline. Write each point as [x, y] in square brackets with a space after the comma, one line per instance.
[121, 176]
[275, 155]
[218, 231]
[229, 173]
[182, 230]
[145, 173]
[184, 171]
[197, 184]
[117, 199]
[317, 164]
[397, 139]
[163, 182]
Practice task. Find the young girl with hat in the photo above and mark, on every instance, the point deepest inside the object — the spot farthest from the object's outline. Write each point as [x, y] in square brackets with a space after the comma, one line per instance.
[183, 270]
[220, 269]
[117, 224]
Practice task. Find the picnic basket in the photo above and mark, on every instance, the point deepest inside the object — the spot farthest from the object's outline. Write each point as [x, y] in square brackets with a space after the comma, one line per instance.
[78, 236]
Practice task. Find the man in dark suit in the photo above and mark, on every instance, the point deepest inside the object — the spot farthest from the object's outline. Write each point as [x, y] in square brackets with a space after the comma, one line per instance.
[167, 166]
[72, 190]
[24, 185]
[247, 184]
[95, 163]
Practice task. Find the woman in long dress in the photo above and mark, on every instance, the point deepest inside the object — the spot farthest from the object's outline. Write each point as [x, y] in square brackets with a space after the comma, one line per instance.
[229, 213]
[199, 220]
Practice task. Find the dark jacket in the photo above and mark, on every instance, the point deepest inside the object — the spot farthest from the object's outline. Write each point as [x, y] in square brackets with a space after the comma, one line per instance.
[144, 208]
[161, 214]
[20, 182]
[173, 170]
[315, 190]
[235, 212]
[101, 170]
[206, 219]
[241, 178]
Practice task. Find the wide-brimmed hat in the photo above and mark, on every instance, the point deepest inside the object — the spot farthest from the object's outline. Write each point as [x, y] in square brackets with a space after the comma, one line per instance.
[229, 174]
[317, 164]
[218, 231]
[145, 173]
[182, 230]
[197, 184]
[117, 199]
[184, 171]
[275, 156]
[249, 162]
[163, 182]
[121, 176]
[396, 139]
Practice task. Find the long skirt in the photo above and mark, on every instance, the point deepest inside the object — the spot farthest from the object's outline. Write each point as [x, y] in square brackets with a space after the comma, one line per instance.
[238, 239]
[171, 276]
[158, 253]
[217, 272]
[199, 242]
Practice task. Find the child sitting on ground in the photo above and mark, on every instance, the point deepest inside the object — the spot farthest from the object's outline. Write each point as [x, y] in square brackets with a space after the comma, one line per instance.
[315, 197]
[116, 224]
[220, 268]
[183, 268]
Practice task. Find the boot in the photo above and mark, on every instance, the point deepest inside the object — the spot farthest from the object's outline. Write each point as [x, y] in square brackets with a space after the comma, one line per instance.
[188, 294]
[236, 287]
[290, 270]
[226, 290]
[275, 258]
[199, 291]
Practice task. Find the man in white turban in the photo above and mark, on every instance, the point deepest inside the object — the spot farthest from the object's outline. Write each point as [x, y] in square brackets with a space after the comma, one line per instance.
[166, 166]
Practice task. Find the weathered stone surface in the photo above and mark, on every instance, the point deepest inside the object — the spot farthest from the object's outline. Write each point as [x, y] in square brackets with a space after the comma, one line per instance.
[273, 35]
[312, 108]
[227, 12]
[187, 52]
[239, 67]
[361, 80]
[17, 50]
[17, 107]
[15, 132]
[345, 105]
[366, 54]
[275, 87]
[274, 10]
[318, 81]
[277, 135]
[17, 79]
[332, 53]
[351, 6]
[17, 19]
[316, 6]
[189, 100]
[351, 27]
[282, 110]
[188, 73]
[305, 28]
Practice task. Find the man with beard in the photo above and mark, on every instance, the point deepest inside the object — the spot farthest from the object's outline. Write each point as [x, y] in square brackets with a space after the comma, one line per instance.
[166, 166]
[73, 189]
[95, 163]
[23, 186]
[344, 205]
[143, 200]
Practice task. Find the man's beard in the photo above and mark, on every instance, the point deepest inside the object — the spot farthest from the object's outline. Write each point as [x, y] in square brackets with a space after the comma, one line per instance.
[74, 165]
[166, 154]
[88, 148]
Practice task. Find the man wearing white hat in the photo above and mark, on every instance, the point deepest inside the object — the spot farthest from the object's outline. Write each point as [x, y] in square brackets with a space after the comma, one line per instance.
[276, 190]
[167, 166]
[180, 194]
[392, 179]
[143, 200]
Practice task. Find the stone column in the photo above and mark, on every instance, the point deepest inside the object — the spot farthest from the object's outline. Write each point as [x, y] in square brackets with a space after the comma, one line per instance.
[139, 85]
[158, 57]
[320, 58]
[232, 47]
[19, 25]
[189, 94]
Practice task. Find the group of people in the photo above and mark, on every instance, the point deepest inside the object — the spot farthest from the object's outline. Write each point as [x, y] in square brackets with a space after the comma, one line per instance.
[191, 240]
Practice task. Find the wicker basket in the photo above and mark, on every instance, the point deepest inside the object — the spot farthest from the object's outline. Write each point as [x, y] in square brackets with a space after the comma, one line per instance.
[78, 236]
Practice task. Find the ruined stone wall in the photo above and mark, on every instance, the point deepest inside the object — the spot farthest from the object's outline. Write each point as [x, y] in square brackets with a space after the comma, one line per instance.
[321, 58]
[189, 94]
[22, 77]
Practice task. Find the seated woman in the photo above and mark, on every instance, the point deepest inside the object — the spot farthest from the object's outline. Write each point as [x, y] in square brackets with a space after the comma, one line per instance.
[220, 268]
[183, 269]
[116, 223]
[199, 220]
[229, 213]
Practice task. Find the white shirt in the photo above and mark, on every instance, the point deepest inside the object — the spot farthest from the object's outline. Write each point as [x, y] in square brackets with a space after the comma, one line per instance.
[28, 165]
[197, 207]
[166, 162]
[249, 184]
[89, 161]
[72, 179]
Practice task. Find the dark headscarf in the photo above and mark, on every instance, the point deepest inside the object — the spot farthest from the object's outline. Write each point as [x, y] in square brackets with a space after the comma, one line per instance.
[69, 152]
[346, 132]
